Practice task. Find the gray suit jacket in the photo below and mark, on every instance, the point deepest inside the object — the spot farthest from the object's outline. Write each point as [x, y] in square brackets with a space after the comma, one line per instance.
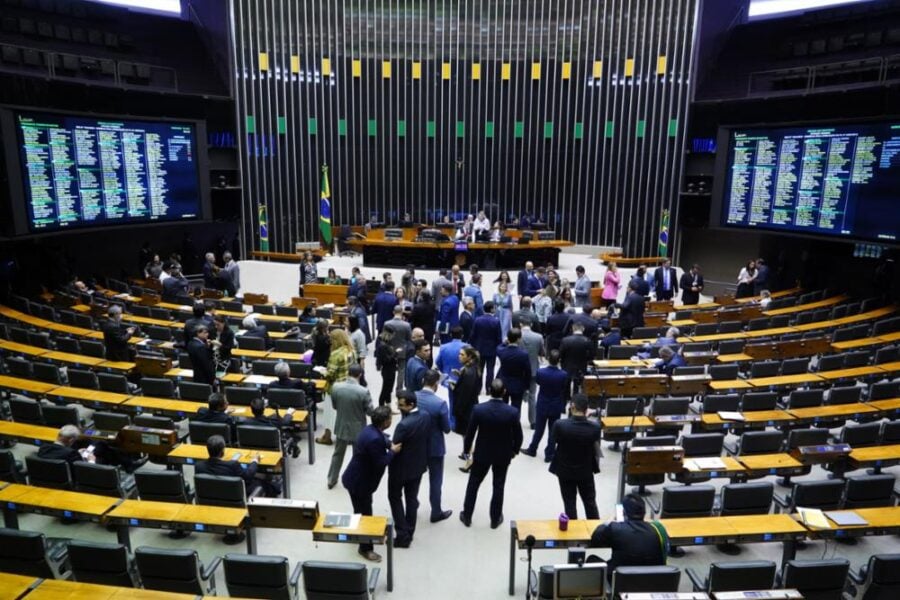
[582, 291]
[436, 286]
[402, 335]
[352, 402]
[533, 343]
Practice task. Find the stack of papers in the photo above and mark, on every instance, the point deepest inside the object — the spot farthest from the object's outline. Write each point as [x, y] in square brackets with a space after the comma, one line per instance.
[845, 518]
[727, 415]
[813, 517]
[705, 464]
[342, 520]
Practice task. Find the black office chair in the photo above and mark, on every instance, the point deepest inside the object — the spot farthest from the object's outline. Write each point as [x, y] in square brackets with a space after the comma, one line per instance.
[220, 490]
[706, 329]
[758, 323]
[644, 580]
[766, 368]
[10, 468]
[622, 407]
[155, 422]
[642, 480]
[158, 333]
[110, 421]
[292, 346]
[623, 352]
[19, 367]
[140, 310]
[188, 390]
[890, 432]
[805, 399]
[83, 379]
[758, 442]
[246, 342]
[47, 373]
[287, 398]
[858, 358]
[861, 435]
[57, 416]
[731, 347]
[735, 576]
[869, 491]
[46, 472]
[686, 501]
[264, 367]
[803, 437]
[31, 553]
[667, 406]
[844, 395]
[105, 480]
[200, 431]
[698, 445]
[338, 581]
[795, 366]
[713, 403]
[68, 344]
[887, 355]
[157, 387]
[816, 579]
[25, 410]
[884, 390]
[178, 571]
[241, 396]
[111, 382]
[184, 361]
[39, 339]
[162, 486]
[254, 576]
[832, 362]
[102, 564]
[723, 372]
[730, 326]
[753, 401]
[163, 314]
[259, 437]
[879, 579]
[691, 370]
[827, 494]
[746, 499]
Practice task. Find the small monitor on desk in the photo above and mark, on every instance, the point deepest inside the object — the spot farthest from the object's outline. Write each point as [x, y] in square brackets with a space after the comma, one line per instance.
[585, 582]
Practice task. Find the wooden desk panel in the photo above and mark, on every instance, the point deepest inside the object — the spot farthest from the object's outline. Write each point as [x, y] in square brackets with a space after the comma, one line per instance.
[808, 306]
[625, 424]
[764, 418]
[889, 406]
[61, 589]
[87, 397]
[850, 373]
[733, 468]
[25, 386]
[729, 384]
[13, 587]
[728, 358]
[369, 526]
[122, 366]
[78, 360]
[143, 513]
[29, 434]
[772, 464]
[624, 363]
[544, 531]
[191, 453]
[832, 411]
[56, 502]
[783, 380]
[25, 349]
[875, 456]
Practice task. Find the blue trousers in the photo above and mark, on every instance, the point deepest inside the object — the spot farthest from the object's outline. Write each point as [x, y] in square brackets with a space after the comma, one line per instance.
[435, 482]
[544, 418]
[487, 365]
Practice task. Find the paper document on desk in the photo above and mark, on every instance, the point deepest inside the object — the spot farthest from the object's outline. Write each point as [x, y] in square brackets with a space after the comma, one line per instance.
[342, 520]
[728, 415]
[712, 463]
[845, 518]
[813, 517]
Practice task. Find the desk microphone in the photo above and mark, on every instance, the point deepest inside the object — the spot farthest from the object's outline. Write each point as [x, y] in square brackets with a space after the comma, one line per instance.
[529, 588]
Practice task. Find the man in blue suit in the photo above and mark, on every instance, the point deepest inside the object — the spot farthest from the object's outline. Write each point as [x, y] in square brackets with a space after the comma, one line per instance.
[448, 316]
[669, 361]
[436, 409]
[448, 360]
[499, 439]
[486, 336]
[383, 305]
[473, 291]
[407, 468]
[515, 368]
[372, 453]
[550, 404]
[417, 365]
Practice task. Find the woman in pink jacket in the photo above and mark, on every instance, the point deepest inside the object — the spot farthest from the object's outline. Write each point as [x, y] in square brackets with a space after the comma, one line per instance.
[611, 284]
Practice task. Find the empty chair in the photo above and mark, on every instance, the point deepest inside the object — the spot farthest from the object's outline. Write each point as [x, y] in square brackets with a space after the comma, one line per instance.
[723, 372]
[158, 333]
[294, 346]
[83, 379]
[254, 576]
[619, 407]
[161, 486]
[25, 410]
[838, 312]
[696, 347]
[879, 579]
[886, 326]
[18, 335]
[184, 361]
[752, 401]
[291, 398]
[200, 431]
[690, 370]
[844, 395]
[735, 576]
[804, 437]
[861, 435]
[805, 398]
[868, 491]
[827, 494]
[884, 390]
[644, 580]
[890, 432]
[264, 367]
[47, 373]
[103, 564]
[47, 472]
[220, 490]
[746, 499]
[759, 442]
[331, 580]
[87, 322]
[246, 342]
[105, 480]
[846, 334]
[110, 421]
[39, 339]
[111, 382]
[713, 403]
[67, 344]
[757, 324]
[687, 501]
[140, 310]
[780, 321]
[887, 355]
[30, 553]
[178, 571]
[158, 312]
[766, 368]
[19, 367]
[642, 480]
[698, 445]
[817, 579]
[795, 366]
[241, 396]
[729, 327]
[10, 469]
[158, 387]
[57, 416]
[832, 362]
[661, 407]
[731, 346]
[859, 358]
[623, 352]
[259, 437]
[188, 390]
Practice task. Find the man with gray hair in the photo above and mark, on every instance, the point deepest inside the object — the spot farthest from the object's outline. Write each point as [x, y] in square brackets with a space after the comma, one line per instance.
[284, 382]
[62, 448]
[210, 271]
[231, 274]
[669, 360]
[115, 336]
[254, 329]
[533, 344]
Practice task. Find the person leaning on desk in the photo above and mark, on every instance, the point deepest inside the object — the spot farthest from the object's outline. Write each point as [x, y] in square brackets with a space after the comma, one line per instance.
[634, 542]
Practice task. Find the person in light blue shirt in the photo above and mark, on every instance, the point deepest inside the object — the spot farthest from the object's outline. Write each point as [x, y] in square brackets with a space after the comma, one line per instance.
[448, 361]
[473, 291]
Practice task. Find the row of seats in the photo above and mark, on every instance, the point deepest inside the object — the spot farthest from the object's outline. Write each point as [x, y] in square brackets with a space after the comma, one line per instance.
[181, 571]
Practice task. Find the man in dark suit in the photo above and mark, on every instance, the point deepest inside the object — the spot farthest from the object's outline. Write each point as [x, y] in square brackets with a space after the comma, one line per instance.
[175, 287]
[202, 356]
[115, 336]
[499, 439]
[550, 404]
[631, 313]
[588, 324]
[284, 381]
[405, 474]
[62, 448]
[669, 360]
[575, 353]
[372, 453]
[216, 411]
[198, 317]
[522, 280]
[254, 329]
[575, 459]
[486, 336]
[448, 313]
[383, 306]
[515, 368]
[665, 282]
[217, 465]
[761, 281]
[556, 325]
[432, 405]
[457, 282]
[467, 318]
[691, 286]
[640, 278]
[417, 366]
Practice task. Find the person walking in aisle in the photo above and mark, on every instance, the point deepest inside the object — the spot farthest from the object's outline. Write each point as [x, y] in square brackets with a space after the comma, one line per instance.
[406, 470]
[550, 405]
[351, 402]
[486, 336]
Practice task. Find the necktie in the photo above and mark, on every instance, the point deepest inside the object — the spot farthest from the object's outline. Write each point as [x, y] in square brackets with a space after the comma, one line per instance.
[454, 285]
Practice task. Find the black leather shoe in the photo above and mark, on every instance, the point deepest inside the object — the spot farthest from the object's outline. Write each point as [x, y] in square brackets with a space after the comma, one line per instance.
[528, 452]
[441, 517]
[402, 542]
[497, 523]
[466, 519]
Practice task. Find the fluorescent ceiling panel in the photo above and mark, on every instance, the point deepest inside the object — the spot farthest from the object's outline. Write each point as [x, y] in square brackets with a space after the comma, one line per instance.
[169, 7]
[772, 8]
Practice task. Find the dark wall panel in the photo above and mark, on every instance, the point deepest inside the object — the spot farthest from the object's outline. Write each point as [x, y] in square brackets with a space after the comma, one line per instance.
[510, 105]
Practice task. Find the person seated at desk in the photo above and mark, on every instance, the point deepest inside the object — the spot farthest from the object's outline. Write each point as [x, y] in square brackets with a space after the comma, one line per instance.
[115, 337]
[634, 542]
[216, 411]
[253, 329]
[70, 447]
[332, 278]
[280, 422]
[481, 227]
[284, 381]
[497, 232]
[669, 360]
[406, 221]
[765, 299]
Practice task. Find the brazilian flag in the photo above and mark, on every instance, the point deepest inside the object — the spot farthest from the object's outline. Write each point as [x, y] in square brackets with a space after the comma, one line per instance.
[664, 234]
[325, 208]
[263, 229]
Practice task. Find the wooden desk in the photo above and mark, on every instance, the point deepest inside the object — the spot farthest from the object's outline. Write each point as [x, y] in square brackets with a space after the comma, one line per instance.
[547, 535]
[13, 587]
[729, 358]
[772, 464]
[729, 384]
[188, 375]
[625, 424]
[76, 360]
[878, 457]
[624, 363]
[270, 461]
[808, 306]
[16, 498]
[59, 589]
[733, 470]
[881, 521]
[626, 385]
[784, 380]
[26, 387]
[700, 357]
[90, 398]
[121, 367]
[28, 434]
[239, 353]
[371, 530]
[688, 385]
[754, 419]
[832, 412]
[21, 349]
[182, 517]
[889, 406]
[854, 373]
[892, 367]
[438, 254]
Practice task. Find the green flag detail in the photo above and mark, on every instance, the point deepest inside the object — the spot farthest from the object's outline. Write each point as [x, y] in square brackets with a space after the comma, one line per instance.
[263, 229]
[664, 234]
[325, 209]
